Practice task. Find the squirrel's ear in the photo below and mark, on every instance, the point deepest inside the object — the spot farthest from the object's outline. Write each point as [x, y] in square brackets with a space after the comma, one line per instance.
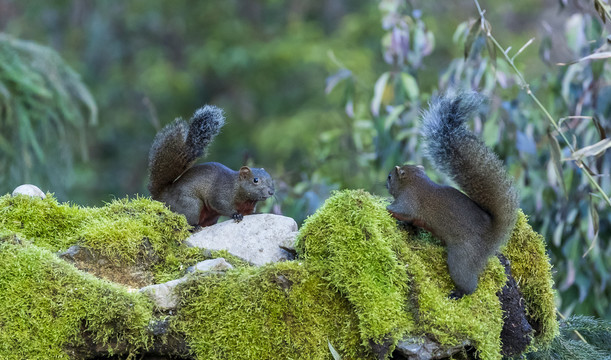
[420, 167]
[245, 171]
[400, 172]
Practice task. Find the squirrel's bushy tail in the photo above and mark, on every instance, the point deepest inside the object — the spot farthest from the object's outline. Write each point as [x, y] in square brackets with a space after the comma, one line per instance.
[178, 145]
[457, 152]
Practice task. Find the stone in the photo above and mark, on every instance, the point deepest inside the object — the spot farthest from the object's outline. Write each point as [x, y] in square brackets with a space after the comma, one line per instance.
[415, 348]
[216, 265]
[164, 295]
[258, 239]
[29, 190]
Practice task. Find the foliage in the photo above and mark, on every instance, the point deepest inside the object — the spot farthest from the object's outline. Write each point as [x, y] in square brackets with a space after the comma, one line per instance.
[44, 111]
[596, 344]
[48, 307]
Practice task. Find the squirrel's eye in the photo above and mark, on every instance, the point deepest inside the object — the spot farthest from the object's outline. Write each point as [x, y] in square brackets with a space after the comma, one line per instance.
[389, 176]
[255, 180]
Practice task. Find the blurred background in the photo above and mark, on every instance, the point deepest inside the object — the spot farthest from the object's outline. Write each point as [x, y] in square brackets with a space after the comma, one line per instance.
[324, 94]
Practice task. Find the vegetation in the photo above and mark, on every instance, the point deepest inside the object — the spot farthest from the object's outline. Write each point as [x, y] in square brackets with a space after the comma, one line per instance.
[137, 232]
[147, 62]
[356, 274]
[48, 307]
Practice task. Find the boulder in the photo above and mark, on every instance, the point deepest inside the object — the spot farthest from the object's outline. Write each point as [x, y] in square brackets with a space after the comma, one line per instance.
[258, 239]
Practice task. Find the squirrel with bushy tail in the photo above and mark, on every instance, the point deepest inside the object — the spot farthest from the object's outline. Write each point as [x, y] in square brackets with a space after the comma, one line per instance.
[474, 224]
[206, 191]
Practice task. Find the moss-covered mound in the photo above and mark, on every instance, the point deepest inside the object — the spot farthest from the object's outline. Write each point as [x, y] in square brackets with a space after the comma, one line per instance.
[358, 249]
[49, 309]
[137, 232]
[360, 285]
[279, 311]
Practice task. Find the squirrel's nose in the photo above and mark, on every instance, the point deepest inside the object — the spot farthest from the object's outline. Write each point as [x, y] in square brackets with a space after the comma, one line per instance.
[270, 192]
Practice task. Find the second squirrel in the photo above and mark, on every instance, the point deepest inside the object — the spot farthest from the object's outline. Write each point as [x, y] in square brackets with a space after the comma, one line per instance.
[472, 226]
[203, 192]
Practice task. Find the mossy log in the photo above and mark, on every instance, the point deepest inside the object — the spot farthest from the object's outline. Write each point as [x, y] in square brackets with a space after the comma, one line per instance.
[359, 285]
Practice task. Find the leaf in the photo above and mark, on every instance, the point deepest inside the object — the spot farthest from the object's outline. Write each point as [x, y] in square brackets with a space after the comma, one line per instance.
[592, 150]
[393, 116]
[556, 153]
[595, 56]
[378, 92]
[595, 225]
[333, 351]
[335, 79]
[474, 32]
[410, 85]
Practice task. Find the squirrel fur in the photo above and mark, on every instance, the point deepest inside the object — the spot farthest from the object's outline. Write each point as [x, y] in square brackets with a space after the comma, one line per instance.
[203, 192]
[472, 226]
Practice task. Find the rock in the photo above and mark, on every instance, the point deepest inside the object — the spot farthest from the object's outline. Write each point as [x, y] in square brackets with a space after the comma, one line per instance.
[258, 239]
[29, 190]
[164, 295]
[218, 264]
[413, 348]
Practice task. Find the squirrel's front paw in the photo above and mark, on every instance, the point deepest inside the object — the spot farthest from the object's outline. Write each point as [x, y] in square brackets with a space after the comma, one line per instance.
[237, 217]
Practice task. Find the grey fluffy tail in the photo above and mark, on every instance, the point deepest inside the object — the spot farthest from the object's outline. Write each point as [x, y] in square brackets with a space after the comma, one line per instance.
[458, 153]
[179, 144]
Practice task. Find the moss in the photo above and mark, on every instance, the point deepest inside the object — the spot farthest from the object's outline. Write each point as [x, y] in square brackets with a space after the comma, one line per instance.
[359, 278]
[47, 307]
[477, 317]
[124, 231]
[279, 311]
[531, 267]
[355, 244]
[351, 240]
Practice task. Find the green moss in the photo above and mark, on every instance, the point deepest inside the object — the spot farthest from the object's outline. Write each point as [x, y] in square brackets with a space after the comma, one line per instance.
[125, 231]
[477, 317]
[46, 222]
[351, 240]
[279, 311]
[359, 278]
[531, 268]
[47, 307]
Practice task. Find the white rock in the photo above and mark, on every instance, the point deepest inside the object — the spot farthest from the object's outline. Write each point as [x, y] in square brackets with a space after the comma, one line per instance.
[163, 294]
[258, 239]
[30, 190]
[218, 264]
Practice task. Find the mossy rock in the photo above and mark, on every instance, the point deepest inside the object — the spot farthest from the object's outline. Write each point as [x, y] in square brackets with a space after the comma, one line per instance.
[359, 282]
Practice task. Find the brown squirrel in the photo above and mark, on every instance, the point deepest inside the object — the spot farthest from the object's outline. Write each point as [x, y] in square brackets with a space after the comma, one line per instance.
[204, 192]
[472, 226]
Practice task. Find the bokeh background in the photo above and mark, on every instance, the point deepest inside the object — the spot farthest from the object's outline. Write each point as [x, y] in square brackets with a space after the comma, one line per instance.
[324, 94]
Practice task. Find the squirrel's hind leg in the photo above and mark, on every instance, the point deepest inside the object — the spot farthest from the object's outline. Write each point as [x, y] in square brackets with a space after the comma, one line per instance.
[464, 270]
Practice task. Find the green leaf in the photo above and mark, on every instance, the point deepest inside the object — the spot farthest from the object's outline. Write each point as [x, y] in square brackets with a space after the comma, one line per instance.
[474, 31]
[393, 116]
[333, 351]
[411, 86]
[378, 92]
[556, 153]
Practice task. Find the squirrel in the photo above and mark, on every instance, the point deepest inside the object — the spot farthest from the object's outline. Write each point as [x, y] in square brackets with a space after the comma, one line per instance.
[472, 226]
[203, 192]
